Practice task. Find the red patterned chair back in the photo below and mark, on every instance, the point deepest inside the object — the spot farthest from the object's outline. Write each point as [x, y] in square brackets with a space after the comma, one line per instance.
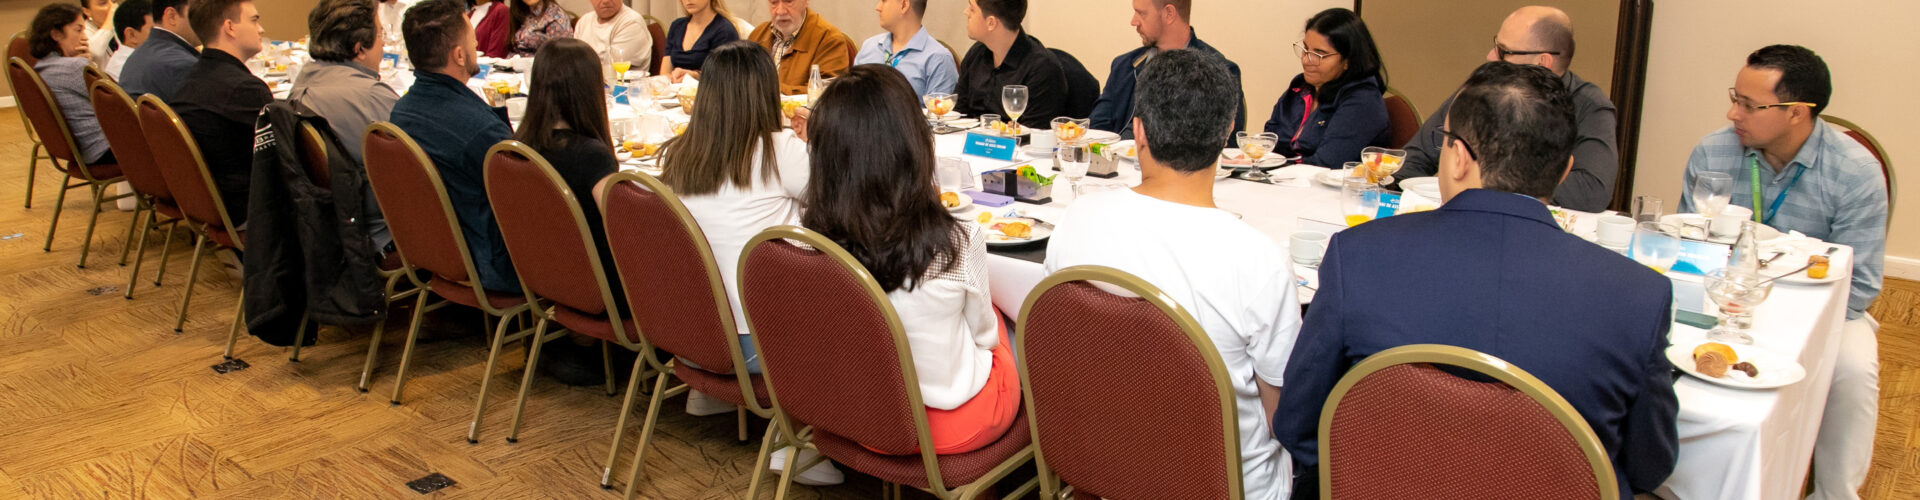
[659, 34]
[91, 74]
[830, 345]
[1403, 119]
[19, 47]
[1075, 340]
[544, 229]
[36, 100]
[121, 125]
[179, 161]
[1399, 426]
[313, 153]
[1879, 153]
[673, 286]
[419, 213]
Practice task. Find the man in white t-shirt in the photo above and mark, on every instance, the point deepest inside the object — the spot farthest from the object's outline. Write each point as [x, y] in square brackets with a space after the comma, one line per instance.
[1168, 232]
[614, 26]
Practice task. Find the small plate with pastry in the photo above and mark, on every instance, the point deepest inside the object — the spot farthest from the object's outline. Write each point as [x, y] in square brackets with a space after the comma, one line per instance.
[1013, 231]
[1798, 268]
[955, 202]
[1736, 366]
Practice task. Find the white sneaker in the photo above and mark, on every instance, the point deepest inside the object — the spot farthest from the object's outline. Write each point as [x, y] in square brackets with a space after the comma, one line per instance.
[822, 474]
[699, 404]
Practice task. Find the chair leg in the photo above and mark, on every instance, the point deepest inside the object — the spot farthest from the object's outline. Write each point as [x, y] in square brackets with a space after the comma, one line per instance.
[300, 336]
[760, 460]
[373, 346]
[526, 379]
[406, 355]
[193, 273]
[620, 426]
[166, 250]
[93, 219]
[33, 163]
[646, 432]
[741, 411]
[786, 474]
[133, 276]
[59, 202]
[486, 377]
[126, 247]
[239, 318]
[606, 365]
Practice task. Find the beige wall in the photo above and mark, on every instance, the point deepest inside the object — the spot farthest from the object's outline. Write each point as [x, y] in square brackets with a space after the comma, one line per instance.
[1430, 47]
[1254, 33]
[285, 19]
[1698, 46]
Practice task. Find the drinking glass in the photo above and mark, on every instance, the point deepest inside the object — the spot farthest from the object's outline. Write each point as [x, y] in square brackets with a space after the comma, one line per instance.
[639, 99]
[987, 121]
[1014, 99]
[938, 105]
[1256, 146]
[622, 62]
[1646, 209]
[1070, 131]
[1359, 200]
[1736, 295]
[1072, 162]
[1711, 191]
[1656, 246]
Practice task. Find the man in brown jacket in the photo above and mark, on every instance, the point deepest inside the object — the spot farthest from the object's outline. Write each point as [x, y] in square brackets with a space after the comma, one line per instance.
[799, 40]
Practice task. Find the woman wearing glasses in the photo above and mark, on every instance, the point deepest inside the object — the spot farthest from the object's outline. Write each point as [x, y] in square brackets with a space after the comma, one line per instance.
[1334, 108]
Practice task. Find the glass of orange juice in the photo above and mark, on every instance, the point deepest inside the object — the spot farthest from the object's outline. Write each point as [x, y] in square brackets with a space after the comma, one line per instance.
[1359, 200]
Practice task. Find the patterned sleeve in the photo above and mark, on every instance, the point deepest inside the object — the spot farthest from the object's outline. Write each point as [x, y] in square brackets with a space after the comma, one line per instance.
[971, 272]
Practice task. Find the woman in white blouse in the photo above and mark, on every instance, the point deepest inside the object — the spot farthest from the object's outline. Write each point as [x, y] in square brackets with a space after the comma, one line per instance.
[873, 193]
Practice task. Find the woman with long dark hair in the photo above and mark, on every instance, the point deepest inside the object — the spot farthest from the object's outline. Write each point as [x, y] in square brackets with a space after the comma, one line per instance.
[873, 193]
[1334, 108]
[58, 36]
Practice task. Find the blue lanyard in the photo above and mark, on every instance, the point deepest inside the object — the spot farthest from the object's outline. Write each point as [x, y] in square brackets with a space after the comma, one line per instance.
[1753, 169]
[893, 60]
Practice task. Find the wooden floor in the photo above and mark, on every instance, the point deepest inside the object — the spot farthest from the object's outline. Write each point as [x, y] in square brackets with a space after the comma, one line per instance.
[101, 399]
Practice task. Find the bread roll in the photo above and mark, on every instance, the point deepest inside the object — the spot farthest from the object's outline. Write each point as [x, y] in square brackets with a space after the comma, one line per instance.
[1725, 352]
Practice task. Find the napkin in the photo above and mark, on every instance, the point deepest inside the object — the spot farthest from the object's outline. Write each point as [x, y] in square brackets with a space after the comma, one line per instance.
[989, 199]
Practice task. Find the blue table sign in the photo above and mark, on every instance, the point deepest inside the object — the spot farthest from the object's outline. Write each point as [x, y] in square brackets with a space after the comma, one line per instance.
[1389, 205]
[620, 94]
[991, 146]
[1701, 258]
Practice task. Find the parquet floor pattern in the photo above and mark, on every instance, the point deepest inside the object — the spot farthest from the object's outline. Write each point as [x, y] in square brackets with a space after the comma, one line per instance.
[100, 399]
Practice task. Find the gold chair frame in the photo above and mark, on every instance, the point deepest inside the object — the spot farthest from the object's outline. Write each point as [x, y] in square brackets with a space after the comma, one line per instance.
[1886, 158]
[200, 231]
[96, 185]
[39, 151]
[144, 215]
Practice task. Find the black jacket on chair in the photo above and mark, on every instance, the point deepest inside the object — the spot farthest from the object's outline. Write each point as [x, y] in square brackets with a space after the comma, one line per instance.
[308, 250]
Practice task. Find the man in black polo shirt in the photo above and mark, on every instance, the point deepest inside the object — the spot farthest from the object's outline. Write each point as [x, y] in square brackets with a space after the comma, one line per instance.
[1006, 55]
[220, 99]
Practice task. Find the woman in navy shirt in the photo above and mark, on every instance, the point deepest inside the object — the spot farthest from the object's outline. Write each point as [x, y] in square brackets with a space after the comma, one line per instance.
[707, 26]
[1335, 107]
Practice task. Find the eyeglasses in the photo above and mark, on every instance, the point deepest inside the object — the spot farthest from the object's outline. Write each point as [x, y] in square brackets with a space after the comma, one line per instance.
[1505, 53]
[1734, 96]
[1310, 56]
[1452, 137]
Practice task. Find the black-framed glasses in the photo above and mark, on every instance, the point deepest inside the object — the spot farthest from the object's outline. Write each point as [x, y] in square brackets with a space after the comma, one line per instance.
[1734, 96]
[1505, 53]
[1310, 56]
[1452, 137]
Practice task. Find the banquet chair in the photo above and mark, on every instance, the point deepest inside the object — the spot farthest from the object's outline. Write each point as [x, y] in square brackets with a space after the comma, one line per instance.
[857, 397]
[1879, 153]
[745, 28]
[1075, 339]
[427, 234]
[121, 124]
[559, 266]
[17, 47]
[1083, 90]
[1403, 118]
[659, 34]
[38, 104]
[91, 73]
[679, 305]
[1399, 425]
[178, 157]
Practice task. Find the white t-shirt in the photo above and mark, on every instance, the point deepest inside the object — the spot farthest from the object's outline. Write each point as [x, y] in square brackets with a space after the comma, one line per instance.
[479, 13]
[118, 61]
[950, 324]
[99, 43]
[1234, 280]
[733, 214]
[626, 31]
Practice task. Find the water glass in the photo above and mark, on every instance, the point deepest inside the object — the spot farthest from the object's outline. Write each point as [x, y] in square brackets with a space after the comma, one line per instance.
[1072, 162]
[1711, 191]
[1656, 246]
[1646, 209]
[1737, 295]
[1359, 200]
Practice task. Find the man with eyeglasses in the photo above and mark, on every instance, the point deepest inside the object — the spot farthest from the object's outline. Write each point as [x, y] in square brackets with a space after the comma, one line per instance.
[1501, 278]
[1543, 36]
[1799, 174]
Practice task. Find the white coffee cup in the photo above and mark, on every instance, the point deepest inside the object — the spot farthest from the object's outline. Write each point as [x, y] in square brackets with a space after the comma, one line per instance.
[516, 108]
[1043, 139]
[1615, 230]
[1308, 247]
[1727, 224]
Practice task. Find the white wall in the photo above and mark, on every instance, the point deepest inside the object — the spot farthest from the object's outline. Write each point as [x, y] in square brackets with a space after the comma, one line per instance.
[1869, 46]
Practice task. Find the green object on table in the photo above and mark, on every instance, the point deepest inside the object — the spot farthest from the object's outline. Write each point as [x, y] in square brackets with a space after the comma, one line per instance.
[1030, 174]
[1696, 320]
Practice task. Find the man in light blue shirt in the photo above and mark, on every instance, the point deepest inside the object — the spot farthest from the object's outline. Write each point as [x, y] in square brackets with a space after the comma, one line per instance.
[907, 47]
[1814, 179]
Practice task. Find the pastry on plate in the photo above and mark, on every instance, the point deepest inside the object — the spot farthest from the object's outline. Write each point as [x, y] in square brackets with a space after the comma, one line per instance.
[1713, 359]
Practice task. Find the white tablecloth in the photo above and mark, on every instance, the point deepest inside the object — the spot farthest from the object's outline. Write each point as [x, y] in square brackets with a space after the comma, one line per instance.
[1734, 444]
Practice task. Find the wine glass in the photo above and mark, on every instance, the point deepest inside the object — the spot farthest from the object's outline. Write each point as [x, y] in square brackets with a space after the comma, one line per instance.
[1736, 295]
[1646, 208]
[1711, 190]
[1359, 200]
[938, 105]
[1656, 245]
[640, 99]
[1256, 146]
[1070, 131]
[1014, 99]
[1072, 161]
[621, 64]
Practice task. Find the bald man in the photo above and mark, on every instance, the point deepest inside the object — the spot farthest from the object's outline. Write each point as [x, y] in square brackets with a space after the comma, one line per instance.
[1543, 36]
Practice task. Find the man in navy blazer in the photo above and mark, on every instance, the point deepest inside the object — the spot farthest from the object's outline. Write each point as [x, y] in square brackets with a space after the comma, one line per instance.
[159, 66]
[1498, 276]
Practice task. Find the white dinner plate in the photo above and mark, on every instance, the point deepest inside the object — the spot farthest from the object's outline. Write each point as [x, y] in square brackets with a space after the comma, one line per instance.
[963, 123]
[1233, 158]
[1331, 178]
[1797, 258]
[1775, 370]
[1126, 149]
[1037, 150]
[997, 239]
[1101, 136]
[1763, 232]
[966, 202]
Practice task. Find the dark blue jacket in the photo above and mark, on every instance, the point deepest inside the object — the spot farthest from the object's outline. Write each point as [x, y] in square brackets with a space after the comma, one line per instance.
[455, 128]
[1114, 111]
[1356, 117]
[1496, 275]
[158, 66]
